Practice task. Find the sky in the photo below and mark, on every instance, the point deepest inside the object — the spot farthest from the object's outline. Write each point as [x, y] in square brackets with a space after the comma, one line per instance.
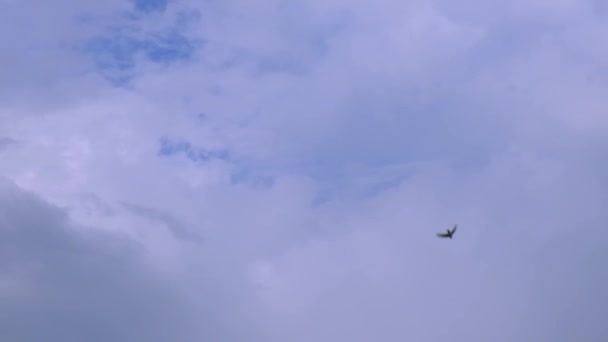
[274, 170]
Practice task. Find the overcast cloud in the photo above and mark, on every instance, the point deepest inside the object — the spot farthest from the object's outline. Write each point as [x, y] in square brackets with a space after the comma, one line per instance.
[276, 171]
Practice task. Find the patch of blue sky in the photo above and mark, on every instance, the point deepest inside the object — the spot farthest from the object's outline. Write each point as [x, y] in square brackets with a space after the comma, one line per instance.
[116, 52]
[170, 147]
[118, 48]
[242, 173]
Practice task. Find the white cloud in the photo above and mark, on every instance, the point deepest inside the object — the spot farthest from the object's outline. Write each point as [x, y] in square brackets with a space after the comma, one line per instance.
[353, 132]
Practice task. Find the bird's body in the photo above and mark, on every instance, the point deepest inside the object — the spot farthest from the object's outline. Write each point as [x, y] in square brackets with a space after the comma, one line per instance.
[448, 233]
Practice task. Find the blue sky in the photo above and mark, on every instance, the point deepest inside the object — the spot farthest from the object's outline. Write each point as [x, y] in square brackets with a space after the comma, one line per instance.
[276, 171]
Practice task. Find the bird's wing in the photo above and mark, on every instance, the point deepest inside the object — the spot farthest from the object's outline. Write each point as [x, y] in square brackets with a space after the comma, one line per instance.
[454, 229]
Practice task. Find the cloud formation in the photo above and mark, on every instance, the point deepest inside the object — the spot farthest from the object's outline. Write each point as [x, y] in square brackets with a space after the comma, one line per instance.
[313, 149]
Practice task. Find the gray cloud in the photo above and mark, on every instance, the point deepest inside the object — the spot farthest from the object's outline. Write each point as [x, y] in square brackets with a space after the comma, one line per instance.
[175, 225]
[60, 283]
[6, 142]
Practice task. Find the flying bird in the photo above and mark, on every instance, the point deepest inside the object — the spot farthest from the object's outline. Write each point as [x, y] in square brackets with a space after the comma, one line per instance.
[449, 233]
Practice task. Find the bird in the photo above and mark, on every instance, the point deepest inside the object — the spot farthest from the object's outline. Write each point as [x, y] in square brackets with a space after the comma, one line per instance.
[448, 234]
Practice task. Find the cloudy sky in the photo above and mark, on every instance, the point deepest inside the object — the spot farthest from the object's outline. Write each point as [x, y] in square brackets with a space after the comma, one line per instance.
[276, 171]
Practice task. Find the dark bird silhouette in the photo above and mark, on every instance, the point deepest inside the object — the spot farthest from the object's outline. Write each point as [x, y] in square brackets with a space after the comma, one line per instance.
[449, 233]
